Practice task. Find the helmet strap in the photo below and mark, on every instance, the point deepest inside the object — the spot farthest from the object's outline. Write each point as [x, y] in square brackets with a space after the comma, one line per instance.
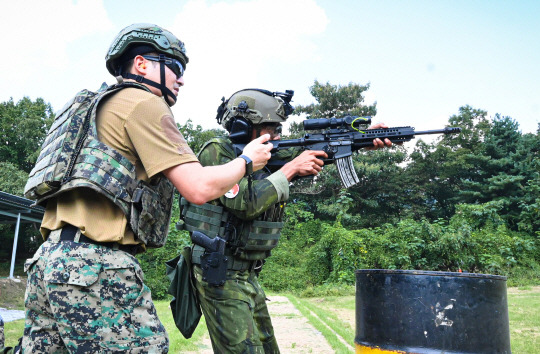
[167, 94]
[164, 89]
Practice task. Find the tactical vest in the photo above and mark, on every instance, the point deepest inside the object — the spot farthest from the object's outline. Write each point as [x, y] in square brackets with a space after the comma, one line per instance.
[247, 240]
[250, 239]
[72, 157]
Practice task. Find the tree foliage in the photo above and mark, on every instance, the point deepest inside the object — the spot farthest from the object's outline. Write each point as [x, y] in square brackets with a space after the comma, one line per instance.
[197, 136]
[12, 179]
[468, 201]
[23, 126]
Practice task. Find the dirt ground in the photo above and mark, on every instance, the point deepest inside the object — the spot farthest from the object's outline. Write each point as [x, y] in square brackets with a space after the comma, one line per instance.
[521, 291]
[293, 331]
[10, 293]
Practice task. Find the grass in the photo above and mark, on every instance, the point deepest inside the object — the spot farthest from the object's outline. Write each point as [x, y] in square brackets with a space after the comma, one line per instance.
[326, 323]
[524, 318]
[326, 315]
[177, 342]
[12, 332]
[523, 312]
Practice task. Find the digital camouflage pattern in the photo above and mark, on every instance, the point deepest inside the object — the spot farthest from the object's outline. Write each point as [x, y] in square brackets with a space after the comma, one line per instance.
[2, 339]
[57, 149]
[152, 218]
[207, 218]
[73, 157]
[139, 34]
[236, 314]
[219, 151]
[88, 298]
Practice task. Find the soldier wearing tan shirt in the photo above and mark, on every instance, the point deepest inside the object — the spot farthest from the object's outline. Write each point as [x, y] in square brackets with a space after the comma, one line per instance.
[141, 127]
[85, 290]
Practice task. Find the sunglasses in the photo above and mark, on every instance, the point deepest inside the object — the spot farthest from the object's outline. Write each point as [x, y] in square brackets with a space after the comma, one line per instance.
[277, 127]
[173, 64]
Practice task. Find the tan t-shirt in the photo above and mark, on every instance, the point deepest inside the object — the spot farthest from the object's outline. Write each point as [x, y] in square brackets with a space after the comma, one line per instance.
[140, 126]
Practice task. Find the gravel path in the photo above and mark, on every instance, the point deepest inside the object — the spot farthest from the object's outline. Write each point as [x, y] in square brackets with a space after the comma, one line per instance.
[293, 331]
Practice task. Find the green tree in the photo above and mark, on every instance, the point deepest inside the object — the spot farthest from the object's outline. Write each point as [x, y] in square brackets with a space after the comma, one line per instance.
[379, 195]
[12, 179]
[197, 136]
[527, 161]
[334, 101]
[525, 170]
[507, 170]
[438, 171]
[491, 161]
[337, 101]
[23, 126]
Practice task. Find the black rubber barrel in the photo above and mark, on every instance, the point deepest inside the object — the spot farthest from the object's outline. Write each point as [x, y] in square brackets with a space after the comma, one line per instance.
[430, 312]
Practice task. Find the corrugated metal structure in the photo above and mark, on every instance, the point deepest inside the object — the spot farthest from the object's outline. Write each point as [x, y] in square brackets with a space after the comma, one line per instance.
[17, 210]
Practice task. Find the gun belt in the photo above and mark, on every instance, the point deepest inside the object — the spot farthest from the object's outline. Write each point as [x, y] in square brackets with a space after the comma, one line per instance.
[233, 263]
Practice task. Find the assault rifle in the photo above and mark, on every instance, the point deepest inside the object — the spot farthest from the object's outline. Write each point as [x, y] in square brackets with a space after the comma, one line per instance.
[340, 137]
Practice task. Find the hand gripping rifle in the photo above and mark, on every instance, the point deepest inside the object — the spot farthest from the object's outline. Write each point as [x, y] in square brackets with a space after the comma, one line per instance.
[339, 137]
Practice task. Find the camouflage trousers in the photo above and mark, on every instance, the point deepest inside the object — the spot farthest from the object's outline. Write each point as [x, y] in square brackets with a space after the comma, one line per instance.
[86, 298]
[2, 339]
[236, 314]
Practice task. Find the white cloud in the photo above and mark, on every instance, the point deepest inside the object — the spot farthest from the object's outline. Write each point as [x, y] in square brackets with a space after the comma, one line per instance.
[231, 44]
[39, 33]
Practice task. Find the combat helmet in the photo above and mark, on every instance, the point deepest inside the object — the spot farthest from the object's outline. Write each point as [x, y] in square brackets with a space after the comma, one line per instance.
[256, 106]
[143, 38]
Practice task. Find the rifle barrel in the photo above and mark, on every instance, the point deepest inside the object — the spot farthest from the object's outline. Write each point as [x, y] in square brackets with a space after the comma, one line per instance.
[447, 130]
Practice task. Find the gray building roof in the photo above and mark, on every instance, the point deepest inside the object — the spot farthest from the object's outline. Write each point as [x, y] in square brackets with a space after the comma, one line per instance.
[11, 206]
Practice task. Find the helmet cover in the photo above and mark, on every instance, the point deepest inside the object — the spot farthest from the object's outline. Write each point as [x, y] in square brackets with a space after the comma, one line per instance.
[147, 36]
[257, 106]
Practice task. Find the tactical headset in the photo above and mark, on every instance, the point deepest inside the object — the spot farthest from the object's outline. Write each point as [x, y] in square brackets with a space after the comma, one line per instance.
[240, 128]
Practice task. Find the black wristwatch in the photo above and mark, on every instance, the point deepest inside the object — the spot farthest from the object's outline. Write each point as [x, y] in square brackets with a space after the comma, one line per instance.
[249, 165]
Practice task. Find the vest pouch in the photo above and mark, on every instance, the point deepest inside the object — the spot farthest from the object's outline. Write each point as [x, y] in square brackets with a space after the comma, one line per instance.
[58, 147]
[45, 188]
[259, 237]
[263, 235]
[207, 218]
[151, 212]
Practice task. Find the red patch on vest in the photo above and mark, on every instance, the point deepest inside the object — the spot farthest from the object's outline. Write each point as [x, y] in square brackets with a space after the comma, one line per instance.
[233, 192]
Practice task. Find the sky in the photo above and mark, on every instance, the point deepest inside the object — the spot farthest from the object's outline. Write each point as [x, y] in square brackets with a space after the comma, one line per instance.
[423, 60]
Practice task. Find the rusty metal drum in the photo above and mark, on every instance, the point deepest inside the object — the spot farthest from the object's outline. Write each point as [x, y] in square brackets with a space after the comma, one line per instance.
[408, 311]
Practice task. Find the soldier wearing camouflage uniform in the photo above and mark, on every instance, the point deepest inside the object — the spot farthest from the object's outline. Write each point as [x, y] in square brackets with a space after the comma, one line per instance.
[106, 174]
[235, 312]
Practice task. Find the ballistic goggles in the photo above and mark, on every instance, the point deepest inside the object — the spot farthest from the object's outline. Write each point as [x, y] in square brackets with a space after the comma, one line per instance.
[276, 127]
[171, 63]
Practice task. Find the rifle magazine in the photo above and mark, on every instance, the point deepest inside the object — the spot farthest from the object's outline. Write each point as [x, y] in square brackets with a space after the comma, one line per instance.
[346, 171]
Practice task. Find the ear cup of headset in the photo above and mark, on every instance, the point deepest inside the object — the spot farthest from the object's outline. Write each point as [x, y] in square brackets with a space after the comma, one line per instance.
[240, 130]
